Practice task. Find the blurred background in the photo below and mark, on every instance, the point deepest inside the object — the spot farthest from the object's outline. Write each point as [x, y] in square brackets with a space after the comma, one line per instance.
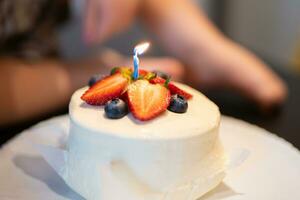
[270, 28]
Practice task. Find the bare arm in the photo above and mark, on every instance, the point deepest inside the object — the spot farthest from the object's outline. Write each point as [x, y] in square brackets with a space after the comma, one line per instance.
[29, 89]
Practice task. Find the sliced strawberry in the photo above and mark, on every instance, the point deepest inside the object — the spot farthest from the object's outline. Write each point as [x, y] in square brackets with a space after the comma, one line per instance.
[124, 97]
[157, 80]
[176, 90]
[172, 87]
[122, 70]
[146, 100]
[106, 89]
[143, 72]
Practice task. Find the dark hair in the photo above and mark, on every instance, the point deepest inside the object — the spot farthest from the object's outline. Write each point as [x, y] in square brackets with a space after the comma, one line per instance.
[33, 35]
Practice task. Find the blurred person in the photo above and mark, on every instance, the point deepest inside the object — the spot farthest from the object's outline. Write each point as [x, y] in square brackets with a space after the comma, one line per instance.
[35, 80]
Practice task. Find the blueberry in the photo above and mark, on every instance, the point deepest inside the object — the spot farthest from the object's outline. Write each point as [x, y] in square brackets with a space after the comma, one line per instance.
[94, 79]
[178, 104]
[161, 74]
[116, 109]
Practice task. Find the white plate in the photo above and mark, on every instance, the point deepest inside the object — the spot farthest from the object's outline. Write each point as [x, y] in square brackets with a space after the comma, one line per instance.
[272, 171]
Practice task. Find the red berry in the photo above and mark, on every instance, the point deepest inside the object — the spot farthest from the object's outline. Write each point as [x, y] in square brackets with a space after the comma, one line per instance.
[176, 90]
[143, 72]
[106, 89]
[172, 87]
[146, 101]
[157, 80]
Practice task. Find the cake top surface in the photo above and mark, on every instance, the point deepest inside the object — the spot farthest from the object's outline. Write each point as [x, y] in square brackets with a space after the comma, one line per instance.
[202, 116]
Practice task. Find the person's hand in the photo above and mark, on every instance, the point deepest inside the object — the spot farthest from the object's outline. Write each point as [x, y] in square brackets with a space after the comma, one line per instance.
[102, 18]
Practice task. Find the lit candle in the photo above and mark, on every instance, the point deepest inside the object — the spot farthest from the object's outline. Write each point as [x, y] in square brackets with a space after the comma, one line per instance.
[138, 50]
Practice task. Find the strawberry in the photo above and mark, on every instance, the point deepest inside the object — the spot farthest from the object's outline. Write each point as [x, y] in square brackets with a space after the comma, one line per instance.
[172, 87]
[143, 72]
[157, 80]
[106, 89]
[146, 100]
[176, 90]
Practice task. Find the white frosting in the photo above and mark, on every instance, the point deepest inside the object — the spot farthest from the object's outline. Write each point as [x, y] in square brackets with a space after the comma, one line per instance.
[202, 116]
[172, 157]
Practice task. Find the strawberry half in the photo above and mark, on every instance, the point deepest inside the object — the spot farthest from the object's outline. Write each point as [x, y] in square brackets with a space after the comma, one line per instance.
[157, 80]
[146, 100]
[106, 89]
[172, 87]
[143, 72]
[176, 90]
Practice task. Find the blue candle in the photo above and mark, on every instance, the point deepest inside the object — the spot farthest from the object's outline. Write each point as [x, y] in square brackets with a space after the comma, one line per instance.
[138, 50]
[136, 62]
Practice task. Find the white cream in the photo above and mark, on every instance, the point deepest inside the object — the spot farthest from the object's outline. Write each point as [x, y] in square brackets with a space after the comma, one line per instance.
[172, 157]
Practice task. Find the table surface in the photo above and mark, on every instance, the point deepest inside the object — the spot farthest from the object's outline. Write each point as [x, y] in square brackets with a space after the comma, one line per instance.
[284, 122]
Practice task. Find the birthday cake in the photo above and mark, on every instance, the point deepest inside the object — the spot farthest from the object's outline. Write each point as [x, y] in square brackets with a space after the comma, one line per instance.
[142, 139]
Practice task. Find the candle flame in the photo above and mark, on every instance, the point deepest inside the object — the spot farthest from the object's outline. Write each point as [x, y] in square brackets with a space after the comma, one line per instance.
[141, 48]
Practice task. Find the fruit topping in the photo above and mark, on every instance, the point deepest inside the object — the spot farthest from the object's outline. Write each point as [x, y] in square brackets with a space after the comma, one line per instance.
[172, 87]
[121, 70]
[158, 80]
[116, 109]
[178, 104]
[143, 74]
[146, 100]
[146, 97]
[106, 89]
[176, 90]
